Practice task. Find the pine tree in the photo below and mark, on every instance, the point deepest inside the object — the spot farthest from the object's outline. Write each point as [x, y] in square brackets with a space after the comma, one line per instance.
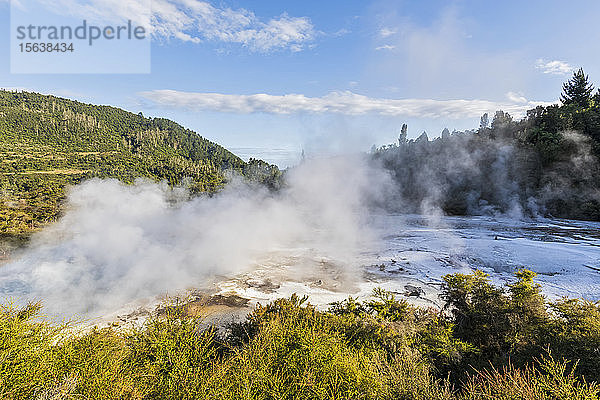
[596, 98]
[577, 90]
[403, 133]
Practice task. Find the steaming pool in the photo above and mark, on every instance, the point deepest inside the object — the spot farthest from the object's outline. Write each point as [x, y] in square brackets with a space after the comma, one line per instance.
[406, 254]
[413, 254]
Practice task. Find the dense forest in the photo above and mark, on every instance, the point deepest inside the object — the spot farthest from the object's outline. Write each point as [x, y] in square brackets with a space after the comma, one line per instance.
[48, 143]
[544, 164]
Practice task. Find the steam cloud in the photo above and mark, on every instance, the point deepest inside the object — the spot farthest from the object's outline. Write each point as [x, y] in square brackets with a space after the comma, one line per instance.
[470, 174]
[119, 243]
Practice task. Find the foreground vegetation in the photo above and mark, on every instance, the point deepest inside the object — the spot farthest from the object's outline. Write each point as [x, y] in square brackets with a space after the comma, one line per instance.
[489, 343]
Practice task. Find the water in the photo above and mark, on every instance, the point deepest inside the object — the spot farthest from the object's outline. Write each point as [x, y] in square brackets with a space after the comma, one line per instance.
[565, 254]
[407, 255]
[412, 253]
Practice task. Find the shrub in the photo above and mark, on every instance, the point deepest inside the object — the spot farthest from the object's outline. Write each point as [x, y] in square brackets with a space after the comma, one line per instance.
[492, 343]
[550, 379]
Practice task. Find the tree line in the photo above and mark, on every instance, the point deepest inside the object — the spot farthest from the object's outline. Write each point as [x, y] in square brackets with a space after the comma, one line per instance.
[543, 164]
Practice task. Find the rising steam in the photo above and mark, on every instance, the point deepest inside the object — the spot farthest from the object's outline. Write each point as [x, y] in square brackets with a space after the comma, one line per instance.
[472, 174]
[118, 243]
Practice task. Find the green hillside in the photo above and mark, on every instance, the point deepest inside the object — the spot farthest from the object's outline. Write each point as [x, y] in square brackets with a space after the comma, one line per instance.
[47, 143]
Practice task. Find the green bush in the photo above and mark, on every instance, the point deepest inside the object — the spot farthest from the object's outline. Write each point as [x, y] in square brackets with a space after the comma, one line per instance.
[382, 348]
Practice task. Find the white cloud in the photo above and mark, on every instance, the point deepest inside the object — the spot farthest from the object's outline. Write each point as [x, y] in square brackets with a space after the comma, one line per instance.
[385, 32]
[555, 67]
[199, 21]
[516, 97]
[385, 47]
[346, 102]
[341, 32]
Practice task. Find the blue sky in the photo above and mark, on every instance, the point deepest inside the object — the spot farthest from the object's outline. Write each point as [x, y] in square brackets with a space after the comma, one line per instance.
[331, 76]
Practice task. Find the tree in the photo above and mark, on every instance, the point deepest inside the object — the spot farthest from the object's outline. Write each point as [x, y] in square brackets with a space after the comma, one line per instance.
[577, 90]
[484, 122]
[501, 120]
[403, 133]
[423, 138]
[596, 98]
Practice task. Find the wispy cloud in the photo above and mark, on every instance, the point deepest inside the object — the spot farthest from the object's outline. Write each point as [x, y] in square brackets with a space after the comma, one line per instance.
[341, 32]
[555, 67]
[200, 21]
[385, 32]
[385, 47]
[345, 102]
[516, 97]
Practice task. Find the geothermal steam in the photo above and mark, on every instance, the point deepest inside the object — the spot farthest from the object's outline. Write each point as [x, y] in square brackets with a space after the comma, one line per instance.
[470, 174]
[118, 243]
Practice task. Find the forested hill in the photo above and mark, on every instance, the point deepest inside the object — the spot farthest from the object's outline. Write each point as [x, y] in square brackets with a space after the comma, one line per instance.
[47, 143]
